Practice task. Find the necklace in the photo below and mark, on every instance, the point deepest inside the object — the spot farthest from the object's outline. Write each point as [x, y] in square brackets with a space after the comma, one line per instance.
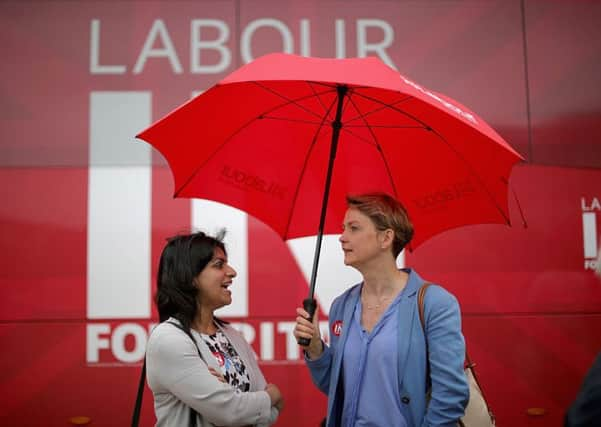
[376, 306]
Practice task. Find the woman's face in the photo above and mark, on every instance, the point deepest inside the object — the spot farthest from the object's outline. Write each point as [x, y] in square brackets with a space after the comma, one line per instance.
[214, 280]
[360, 240]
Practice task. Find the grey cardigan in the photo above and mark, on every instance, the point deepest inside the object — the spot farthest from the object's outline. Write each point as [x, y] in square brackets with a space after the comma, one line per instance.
[179, 380]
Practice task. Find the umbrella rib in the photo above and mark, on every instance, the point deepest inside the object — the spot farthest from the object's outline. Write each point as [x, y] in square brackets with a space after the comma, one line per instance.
[240, 129]
[290, 101]
[318, 97]
[475, 175]
[385, 126]
[384, 106]
[392, 107]
[208, 159]
[360, 138]
[467, 164]
[304, 168]
[378, 147]
[429, 128]
[292, 120]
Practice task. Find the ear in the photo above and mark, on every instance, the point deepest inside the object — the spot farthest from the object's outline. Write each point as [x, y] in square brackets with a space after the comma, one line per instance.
[386, 238]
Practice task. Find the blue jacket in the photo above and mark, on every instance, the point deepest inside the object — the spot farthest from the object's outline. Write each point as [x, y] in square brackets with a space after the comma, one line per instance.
[450, 391]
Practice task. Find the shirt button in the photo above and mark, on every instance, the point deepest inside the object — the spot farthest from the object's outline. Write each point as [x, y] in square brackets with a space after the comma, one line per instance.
[405, 400]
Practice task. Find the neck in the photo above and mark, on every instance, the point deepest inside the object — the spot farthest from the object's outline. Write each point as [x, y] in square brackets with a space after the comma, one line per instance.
[204, 322]
[383, 282]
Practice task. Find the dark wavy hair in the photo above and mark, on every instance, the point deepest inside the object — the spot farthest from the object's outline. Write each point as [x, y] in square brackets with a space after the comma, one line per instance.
[183, 258]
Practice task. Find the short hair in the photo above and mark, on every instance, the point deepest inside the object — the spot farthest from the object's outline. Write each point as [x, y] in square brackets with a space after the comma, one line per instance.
[385, 212]
[182, 259]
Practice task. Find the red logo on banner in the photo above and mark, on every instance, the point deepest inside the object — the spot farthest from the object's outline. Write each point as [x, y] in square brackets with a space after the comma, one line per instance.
[337, 327]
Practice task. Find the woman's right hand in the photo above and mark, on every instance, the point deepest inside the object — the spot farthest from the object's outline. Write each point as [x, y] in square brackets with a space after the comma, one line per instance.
[275, 395]
[310, 330]
[217, 374]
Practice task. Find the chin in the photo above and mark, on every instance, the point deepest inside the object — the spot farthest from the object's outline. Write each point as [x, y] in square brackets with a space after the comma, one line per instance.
[224, 302]
[350, 263]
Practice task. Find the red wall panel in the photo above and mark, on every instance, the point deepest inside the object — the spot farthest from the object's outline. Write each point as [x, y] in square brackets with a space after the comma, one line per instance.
[564, 68]
[530, 301]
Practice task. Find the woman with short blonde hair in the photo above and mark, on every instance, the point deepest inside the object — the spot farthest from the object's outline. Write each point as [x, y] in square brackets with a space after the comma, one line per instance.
[375, 370]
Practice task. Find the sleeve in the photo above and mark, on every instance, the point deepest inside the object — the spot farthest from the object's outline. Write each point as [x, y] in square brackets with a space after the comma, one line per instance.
[273, 417]
[176, 367]
[258, 379]
[446, 347]
[321, 368]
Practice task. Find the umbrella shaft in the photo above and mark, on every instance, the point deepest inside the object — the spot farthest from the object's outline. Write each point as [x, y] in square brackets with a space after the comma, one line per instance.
[336, 126]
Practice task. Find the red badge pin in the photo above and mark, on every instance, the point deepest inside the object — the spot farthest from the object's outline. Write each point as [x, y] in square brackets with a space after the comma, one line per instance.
[219, 358]
[337, 327]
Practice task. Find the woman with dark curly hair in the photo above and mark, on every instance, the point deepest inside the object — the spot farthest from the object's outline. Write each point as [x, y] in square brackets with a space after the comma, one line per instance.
[200, 370]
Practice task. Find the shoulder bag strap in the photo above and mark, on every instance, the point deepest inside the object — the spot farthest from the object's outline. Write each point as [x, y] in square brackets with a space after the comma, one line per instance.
[421, 296]
[470, 365]
[180, 327]
[136, 417]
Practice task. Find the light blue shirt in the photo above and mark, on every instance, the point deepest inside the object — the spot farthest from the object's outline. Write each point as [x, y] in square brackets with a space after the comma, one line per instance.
[370, 372]
[450, 390]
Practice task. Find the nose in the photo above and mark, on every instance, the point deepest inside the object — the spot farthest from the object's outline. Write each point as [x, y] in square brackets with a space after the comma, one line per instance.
[342, 238]
[231, 272]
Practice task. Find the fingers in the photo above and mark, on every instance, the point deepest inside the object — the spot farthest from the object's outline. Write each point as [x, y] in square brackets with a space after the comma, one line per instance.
[217, 374]
[305, 315]
[280, 404]
[306, 328]
[275, 395]
[303, 328]
[301, 312]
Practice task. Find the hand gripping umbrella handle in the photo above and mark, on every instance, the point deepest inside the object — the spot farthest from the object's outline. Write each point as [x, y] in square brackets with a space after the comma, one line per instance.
[309, 304]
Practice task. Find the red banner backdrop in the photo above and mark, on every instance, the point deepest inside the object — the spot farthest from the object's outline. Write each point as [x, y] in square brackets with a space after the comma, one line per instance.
[85, 210]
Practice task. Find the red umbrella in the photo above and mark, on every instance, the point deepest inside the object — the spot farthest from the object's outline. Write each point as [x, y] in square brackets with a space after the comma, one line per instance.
[284, 134]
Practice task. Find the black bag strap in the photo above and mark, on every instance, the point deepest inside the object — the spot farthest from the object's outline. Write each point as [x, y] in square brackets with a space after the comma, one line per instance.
[135, 421]
[136, 417]
[187, 332]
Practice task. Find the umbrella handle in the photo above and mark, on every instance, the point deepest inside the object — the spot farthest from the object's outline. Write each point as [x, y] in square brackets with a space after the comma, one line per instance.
[309, 304]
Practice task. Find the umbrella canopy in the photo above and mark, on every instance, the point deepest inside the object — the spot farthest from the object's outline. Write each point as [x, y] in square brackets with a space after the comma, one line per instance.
[281, 133]
[262, 138]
